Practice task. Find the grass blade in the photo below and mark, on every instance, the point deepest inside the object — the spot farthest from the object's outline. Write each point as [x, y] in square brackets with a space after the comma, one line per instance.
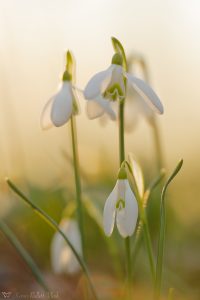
[161, 241]
[55, 226]
[23, 253]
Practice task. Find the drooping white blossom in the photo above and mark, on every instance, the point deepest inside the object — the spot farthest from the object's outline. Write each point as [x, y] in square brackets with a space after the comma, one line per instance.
[63, 259]
[59, 109]
[120, 207]
[110, 85]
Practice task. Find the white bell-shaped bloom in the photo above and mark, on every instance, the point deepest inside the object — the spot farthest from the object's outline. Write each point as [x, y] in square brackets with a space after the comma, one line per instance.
[121, 205]
[59, 109]
[63, 259]
[110, 85]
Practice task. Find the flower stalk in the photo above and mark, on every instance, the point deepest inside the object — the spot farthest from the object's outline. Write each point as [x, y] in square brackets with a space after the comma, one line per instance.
[122, 158]
[77, 183]
[157, 143]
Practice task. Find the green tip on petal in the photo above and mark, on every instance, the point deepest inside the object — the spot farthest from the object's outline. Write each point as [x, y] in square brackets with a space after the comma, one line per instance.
[117, 59]
[66, 76]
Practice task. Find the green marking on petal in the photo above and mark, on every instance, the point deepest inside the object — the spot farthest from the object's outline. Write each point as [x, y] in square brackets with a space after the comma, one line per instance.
[120, 204]
[113, 92]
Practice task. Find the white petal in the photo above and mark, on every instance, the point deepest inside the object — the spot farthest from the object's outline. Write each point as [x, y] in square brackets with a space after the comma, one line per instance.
[45, 120]
[146, 92]
[109, 211]
[62, 105]
[106, 105]
[94, 110]
[62, 257]
[127, 218]
[98, 84]
[138, 175]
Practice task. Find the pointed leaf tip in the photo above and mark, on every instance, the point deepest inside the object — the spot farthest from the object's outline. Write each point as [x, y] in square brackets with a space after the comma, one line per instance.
[176, 170]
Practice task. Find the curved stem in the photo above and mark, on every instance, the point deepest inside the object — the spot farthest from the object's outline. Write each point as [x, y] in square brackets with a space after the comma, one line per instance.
[77, 183]
[157, 143]
[122, 158]
[51, 222]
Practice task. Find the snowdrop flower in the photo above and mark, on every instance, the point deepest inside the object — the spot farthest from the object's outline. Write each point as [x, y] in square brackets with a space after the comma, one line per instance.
[59, 109]
[121, 206]
[110, 86]
[62, 257]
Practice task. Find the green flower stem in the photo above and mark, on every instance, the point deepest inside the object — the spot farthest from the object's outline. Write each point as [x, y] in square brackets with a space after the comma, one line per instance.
[122, 158]
[77, 183]
[144, 227]
[121, 133]
[129, 266]
[56, 227]
[148, 242]
[147, 236]
[157, 143]
[24, 254]
[138, 238]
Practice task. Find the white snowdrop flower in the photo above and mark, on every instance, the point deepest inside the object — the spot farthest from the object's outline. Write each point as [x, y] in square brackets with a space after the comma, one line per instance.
[59, 109]
[110, 84]
[63, 259]
[121, 206]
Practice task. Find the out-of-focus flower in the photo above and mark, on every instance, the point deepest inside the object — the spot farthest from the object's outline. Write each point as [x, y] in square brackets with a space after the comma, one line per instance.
[59, 109]
[63, 259]
[110, 85]
[121, 205]
[137, 174]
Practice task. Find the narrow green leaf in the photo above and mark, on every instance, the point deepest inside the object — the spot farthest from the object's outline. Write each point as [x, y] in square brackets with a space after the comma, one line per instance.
[152, 186]
[24, 254]
[157, 180]
[161, 241]
[55, 226]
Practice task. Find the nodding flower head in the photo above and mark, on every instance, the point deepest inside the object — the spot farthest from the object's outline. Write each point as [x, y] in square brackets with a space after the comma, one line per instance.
[110, 86]
[121, 207]
[61, 106]
[62, 257]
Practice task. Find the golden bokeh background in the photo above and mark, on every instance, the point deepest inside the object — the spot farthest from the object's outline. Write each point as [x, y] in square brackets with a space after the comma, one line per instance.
[33, 38]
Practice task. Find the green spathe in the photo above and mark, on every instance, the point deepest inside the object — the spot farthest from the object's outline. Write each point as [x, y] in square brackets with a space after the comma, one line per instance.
[66, 76]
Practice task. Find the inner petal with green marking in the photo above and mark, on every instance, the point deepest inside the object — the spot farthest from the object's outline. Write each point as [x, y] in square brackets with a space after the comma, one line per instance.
[120, 204]
[113, 92]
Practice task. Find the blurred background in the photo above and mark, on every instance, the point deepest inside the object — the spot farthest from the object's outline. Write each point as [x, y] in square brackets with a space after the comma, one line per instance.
[34, 36]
